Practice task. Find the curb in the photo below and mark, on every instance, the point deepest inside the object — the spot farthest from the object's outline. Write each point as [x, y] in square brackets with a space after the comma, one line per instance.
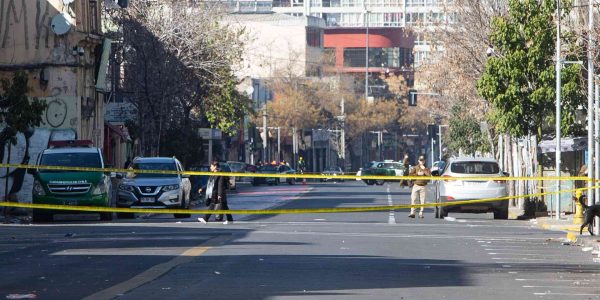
[571, 230]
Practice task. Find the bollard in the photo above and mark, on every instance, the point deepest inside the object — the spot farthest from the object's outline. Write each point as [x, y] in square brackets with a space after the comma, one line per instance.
[578, 217]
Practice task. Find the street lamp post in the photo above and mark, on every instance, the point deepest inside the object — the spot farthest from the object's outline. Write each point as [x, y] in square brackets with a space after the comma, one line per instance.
[597, 148]
[590, 60]
[440, 138]
[266, 138]
[558, 117]
[367, 54]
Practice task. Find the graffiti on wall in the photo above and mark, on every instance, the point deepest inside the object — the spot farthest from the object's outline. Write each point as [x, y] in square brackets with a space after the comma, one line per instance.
[61, 112]
[19, 17]
[16, 184]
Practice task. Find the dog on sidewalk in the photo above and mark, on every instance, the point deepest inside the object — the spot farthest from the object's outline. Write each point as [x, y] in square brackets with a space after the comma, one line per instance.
[590, 211]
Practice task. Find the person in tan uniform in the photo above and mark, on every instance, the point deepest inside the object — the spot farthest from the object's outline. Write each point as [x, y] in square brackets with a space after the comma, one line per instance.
[419, 186]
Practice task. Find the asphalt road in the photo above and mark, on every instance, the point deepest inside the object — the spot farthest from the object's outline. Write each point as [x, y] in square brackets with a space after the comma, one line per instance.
[376, 255]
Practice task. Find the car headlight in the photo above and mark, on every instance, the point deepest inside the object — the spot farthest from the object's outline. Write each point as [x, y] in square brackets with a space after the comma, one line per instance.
[126, 187]
[38, 189]
[101, 188]
[171, 187]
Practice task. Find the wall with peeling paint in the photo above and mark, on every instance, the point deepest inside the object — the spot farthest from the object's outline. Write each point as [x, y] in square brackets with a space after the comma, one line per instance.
[61, 71]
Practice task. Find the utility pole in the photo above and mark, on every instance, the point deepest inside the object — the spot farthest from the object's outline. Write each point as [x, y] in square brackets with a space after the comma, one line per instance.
[590, 59]
[314, 156]
[367, 55]
[597, 146]
[343, 136]
[278, 144]
[558, 117]
[294, 148]
[265, 140]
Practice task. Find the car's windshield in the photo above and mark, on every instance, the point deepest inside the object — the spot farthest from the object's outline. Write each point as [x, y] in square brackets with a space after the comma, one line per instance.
[86, 160]
[168, 166]
[475, 167]
[268, 168]
[236, 167]
[393, 166]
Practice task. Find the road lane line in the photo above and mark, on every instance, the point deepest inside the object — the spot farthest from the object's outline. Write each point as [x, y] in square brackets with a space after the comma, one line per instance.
[550, 279]
[560, 287]
[157, 270]
[392, 217]
[563, 294]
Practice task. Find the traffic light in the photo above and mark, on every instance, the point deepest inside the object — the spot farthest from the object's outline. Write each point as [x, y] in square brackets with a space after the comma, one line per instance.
[412, 97]
[432, 131]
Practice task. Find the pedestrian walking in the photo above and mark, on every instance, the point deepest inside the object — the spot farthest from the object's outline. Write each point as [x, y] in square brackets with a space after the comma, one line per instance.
[216, 195]
[419, 186]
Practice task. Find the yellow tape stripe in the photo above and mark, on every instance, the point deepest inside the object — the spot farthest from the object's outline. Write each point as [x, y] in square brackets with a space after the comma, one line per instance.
[297, 176]
[273, 211]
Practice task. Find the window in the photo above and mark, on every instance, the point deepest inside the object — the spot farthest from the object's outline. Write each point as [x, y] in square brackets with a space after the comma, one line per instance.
[86, 160]
[392, 19]
[171, 166]
[354, 57]
[475, 167]
[313, 37]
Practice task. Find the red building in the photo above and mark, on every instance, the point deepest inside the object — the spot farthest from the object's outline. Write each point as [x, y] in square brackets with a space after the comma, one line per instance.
[390, 50]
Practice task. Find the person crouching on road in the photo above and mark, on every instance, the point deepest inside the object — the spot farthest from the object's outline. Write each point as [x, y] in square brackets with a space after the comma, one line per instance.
[419, 187]
[216, 196]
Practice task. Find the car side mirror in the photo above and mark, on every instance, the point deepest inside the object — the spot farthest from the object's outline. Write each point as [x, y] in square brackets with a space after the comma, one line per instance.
[32, 171]
[435, 173]
[506, 174]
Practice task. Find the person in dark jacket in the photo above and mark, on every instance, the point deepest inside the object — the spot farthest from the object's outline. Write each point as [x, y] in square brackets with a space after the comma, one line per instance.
[216, 194]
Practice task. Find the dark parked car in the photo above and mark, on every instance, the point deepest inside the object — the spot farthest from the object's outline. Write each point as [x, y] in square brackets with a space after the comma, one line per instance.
[273, 169]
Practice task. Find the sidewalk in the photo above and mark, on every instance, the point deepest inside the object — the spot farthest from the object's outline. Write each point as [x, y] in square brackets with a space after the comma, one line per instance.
[565, 224]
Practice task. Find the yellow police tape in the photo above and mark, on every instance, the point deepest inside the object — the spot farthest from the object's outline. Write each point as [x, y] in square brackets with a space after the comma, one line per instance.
[273, 211]
[296, 176]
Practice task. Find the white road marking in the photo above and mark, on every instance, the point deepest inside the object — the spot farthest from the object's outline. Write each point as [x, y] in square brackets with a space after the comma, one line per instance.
[524, 254]
[378, 235]
[513, 258]
[392, 217]
[563, 294]
[550, 279]
[560, 287]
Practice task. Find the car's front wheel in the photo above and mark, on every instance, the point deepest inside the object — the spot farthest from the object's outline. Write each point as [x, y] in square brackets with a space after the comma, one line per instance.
[185, 204]
[106, 216]
[41, 215]
[125, 215]
[501, 214]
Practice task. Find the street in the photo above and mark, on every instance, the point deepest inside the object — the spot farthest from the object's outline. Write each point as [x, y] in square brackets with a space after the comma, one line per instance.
[378, 255]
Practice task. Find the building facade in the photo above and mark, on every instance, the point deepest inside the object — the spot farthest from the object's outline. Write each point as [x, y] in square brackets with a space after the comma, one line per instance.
[60, 46]
[389, 50]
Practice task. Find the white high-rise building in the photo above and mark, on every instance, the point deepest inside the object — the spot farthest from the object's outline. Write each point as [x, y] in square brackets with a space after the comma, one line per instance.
[416, 15]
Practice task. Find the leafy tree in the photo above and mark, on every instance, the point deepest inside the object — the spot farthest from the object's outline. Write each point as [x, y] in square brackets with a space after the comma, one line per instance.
[519, 80]
[464, 132]
[18, 113]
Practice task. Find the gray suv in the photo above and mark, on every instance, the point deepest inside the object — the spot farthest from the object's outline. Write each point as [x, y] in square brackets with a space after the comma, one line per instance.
[153, 190]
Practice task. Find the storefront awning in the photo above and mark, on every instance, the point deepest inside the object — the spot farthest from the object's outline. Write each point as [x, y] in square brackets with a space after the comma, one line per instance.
[566, 144]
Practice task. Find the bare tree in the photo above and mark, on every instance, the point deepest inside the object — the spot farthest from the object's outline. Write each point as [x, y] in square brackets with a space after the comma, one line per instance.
[178, 63]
